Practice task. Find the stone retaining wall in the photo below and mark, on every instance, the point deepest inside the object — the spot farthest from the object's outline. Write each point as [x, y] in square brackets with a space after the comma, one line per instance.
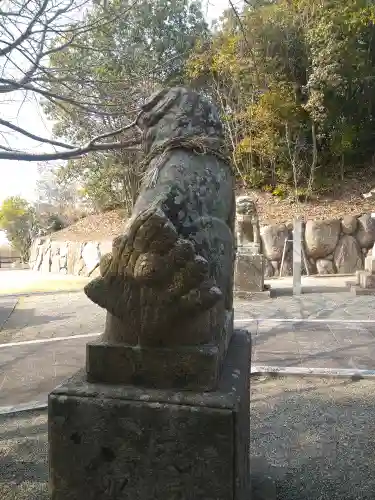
[331, 246]
[67, 257]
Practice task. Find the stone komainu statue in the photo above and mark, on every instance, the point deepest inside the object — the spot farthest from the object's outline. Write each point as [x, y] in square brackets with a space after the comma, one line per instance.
[247, 221]
[169, 279]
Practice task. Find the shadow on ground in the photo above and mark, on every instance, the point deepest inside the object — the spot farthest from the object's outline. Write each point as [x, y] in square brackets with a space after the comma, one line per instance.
[17, 319]
[317, 436]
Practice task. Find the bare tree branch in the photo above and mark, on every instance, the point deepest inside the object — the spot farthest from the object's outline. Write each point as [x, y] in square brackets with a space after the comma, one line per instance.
[11, 86]
[33, 31]
[24, 132]
[27, 32]
[130, 145]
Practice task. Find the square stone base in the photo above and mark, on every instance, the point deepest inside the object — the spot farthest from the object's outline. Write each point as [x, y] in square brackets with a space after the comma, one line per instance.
[365, 279]
[266, 294]
[249, 273]
[123, 442]
[357, 290]
[188, 368]
[370, 264]
[192, 368]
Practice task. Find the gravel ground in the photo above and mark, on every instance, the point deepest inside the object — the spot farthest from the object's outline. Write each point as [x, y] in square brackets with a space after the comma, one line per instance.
[316, 435]
[24, 457]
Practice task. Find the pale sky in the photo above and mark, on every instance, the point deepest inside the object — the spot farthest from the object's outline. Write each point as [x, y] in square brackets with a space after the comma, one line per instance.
[19, 178]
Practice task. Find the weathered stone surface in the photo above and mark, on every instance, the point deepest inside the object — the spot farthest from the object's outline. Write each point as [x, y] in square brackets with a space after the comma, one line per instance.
[74, 256]
[262, 475]
[79, 267]
[262, 488]
[366, 231]
[187, 368]
[249, 273]
[91, 256]
[348, 256]
[34, 252]
[324, 266]
[247, 221]
[275, 264]
[287, 268]
[55, 248]
[358, 277]
[55, 257]
[64, 247]
[268, 269]
[273, 239]
[105, 247]
[41, 249]
[63, 260]
[46, 264]
[172, 270]
[311, 267]
[321, 237]
[55, 263]
[366, 279]
[370, 264]
[125, 443]
[250, 249]
[95, 273]
[349, 224]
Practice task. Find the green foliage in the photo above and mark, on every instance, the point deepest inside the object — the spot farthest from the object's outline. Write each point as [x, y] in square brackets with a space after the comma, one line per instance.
[55, 223]
[295, 82]
[18, 220]
[280, 191]
[136, 48]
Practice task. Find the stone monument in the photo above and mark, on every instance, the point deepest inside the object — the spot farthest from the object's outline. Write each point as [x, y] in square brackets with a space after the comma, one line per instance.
[247, 222]
[162, 410]
[249, 269]
[365, 279]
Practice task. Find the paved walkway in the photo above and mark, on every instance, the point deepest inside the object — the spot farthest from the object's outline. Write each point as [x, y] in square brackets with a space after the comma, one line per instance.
[314, 345]
[43, 340]
[316, 434]
[42, 343]
[320, 329]
[18, 282]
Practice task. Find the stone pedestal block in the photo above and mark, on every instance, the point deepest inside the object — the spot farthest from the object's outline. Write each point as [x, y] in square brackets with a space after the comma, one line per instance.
[367, 280]
[126, 443]
[249, 273]
[358, 277]
[188, 367]
[370, 264]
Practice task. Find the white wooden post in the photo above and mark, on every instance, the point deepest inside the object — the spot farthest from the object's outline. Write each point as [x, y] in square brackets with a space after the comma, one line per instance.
[297, 253]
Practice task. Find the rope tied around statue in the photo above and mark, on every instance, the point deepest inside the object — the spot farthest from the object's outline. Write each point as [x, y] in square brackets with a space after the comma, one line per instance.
[178, 118]
[199, 145]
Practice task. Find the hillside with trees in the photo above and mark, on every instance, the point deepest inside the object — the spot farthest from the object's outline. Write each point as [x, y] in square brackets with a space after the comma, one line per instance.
[294, 81]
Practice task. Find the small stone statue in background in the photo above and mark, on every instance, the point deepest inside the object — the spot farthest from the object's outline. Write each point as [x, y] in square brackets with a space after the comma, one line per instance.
[249, 269]
[247, 222]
